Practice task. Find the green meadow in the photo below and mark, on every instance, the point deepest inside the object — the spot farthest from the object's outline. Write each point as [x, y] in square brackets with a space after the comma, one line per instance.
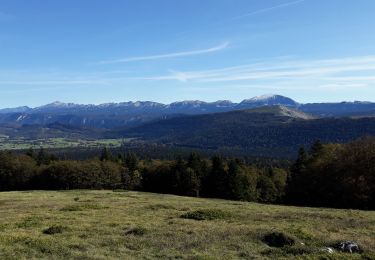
[134, 225]
[57, 143]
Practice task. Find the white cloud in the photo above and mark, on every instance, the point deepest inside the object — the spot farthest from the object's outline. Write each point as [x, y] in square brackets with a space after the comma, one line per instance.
[280, 69]
[280, 73]
[168, 55]
[350, 72]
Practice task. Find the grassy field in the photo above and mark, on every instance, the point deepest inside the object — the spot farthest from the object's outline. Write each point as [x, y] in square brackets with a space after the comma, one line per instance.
[132, 225]
[22, 143]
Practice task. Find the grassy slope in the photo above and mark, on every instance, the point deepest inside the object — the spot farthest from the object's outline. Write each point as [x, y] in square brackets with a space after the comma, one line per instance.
[127, 225]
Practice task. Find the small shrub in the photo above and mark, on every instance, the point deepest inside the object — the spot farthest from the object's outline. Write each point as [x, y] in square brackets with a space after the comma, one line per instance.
[278, 239]
[76, 199]
[207, 214]
[54, 230]
[137, 231]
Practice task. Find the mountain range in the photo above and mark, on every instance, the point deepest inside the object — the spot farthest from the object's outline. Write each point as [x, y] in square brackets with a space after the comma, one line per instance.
[126, 114]
[273, 126]
[276, 131]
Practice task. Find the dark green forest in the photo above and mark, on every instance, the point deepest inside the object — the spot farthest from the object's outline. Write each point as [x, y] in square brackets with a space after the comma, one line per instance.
[269, 131]
[325, 175]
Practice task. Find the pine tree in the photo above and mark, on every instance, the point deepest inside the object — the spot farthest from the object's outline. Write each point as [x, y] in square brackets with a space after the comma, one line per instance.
[217, 180]
[30, 152]
[301, 162]
[106, 155]
[296, 183]
[42, 157]
[131, 162]
[316, 149]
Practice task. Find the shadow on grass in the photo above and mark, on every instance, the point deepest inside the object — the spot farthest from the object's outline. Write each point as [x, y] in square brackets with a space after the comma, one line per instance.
[54, 230]
[206, 214]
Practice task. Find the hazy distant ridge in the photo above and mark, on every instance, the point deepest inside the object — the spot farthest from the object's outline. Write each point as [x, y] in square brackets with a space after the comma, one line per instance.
[111, 115]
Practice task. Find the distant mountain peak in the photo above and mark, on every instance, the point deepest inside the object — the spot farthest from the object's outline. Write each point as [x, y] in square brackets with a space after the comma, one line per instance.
[188, 103]
[58, 104]
[272, 99]
[265, 97]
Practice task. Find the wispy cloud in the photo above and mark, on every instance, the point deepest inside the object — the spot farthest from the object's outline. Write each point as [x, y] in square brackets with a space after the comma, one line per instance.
[168, 55]
[352, 71]
[268, 9]
[280, 73]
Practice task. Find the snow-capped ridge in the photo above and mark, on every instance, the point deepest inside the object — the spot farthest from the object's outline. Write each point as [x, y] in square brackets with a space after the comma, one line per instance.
[187, 103]
[271, 99]
[265, 97]
[58, 104]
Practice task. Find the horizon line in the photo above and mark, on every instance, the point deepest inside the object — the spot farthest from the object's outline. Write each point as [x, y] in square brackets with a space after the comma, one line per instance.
[180, 101]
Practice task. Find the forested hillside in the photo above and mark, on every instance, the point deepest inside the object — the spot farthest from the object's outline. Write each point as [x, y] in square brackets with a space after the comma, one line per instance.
[268, 131]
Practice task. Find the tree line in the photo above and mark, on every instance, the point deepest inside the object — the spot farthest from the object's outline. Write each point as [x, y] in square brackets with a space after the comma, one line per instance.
[334, 175]
[329, 175]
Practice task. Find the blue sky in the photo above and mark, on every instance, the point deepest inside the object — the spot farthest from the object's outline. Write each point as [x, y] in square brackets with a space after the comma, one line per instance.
[97, 51]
